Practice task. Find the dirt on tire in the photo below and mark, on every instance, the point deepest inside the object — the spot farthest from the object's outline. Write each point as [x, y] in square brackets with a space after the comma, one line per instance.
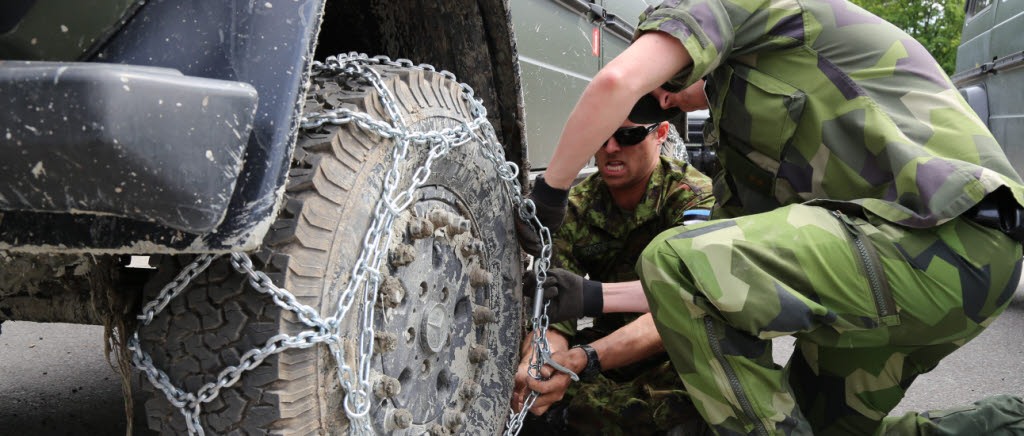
[447, 320]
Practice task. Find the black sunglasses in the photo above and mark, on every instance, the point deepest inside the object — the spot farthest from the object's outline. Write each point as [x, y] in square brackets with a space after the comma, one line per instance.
[630, 136]
[671, 87]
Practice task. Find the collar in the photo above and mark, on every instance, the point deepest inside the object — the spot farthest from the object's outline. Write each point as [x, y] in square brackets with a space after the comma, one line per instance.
[604, 213]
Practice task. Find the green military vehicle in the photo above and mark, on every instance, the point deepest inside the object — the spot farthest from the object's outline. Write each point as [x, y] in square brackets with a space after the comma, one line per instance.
[989, 70]
[141, 139]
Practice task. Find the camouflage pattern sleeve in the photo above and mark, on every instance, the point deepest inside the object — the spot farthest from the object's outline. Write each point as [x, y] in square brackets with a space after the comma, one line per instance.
[561, 254]
[561, 257]
[691, 189]
[715, 30]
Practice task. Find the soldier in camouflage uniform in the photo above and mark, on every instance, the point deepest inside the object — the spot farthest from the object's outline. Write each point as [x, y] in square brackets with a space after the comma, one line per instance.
[612, 216]
[879, 221]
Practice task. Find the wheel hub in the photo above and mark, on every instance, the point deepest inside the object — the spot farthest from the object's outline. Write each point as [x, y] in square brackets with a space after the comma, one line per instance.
[439, 352]
[434, 328]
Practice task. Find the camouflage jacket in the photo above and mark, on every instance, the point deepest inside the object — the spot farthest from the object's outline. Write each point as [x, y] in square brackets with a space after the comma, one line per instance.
[600, 239]
[821, 100]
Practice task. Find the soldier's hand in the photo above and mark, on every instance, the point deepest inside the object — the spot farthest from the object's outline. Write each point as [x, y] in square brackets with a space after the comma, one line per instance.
[553, 389]
[519, 392]
[550, 204]
[569, 296]
[529, 238]
[556, 341]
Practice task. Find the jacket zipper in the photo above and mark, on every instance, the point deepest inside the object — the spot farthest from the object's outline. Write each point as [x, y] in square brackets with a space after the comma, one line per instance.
[734, 381]
[873, 279]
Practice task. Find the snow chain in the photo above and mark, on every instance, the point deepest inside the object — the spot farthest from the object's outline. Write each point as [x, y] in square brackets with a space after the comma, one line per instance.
[365, 276]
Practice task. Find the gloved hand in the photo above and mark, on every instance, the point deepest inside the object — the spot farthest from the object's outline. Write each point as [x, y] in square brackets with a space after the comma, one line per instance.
[551, 204]
[570, 296]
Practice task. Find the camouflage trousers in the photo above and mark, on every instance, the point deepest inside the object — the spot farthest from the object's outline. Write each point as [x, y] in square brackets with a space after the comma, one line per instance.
[650, 404]
[872, 305]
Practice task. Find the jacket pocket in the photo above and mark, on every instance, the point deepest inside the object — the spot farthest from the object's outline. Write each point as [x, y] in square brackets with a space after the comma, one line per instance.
[758, 118]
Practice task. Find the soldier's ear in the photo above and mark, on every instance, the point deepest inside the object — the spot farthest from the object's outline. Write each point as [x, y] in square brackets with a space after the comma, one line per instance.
[662, 131]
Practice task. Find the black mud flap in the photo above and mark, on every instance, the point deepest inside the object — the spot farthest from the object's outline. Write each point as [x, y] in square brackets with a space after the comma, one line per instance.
[145, 143]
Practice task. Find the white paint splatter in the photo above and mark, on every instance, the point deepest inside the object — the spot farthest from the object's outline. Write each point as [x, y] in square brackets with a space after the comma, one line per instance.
[38, 169]
[56, 77]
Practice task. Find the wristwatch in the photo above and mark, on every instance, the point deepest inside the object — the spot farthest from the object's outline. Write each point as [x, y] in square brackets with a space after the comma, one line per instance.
[593, 367]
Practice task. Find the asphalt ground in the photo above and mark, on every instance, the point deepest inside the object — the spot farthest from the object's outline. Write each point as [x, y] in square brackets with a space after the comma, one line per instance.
[55, 380]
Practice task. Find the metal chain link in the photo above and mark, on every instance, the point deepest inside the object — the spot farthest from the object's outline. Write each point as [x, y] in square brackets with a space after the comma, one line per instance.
[365, 276]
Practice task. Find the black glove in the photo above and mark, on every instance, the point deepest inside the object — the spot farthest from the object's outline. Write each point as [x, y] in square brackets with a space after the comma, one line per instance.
[570, 296]
[551, 204]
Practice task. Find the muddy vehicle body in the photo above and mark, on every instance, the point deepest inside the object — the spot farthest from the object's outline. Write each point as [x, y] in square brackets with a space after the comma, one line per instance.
[990, 70]
[142, 137]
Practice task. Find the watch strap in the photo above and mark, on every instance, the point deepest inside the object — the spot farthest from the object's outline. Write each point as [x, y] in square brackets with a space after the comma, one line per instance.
[593, 367]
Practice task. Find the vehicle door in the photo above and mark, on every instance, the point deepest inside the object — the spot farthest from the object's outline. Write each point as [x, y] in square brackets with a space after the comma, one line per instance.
[989, 70]
[620, 22]
[976, 37]
[558, 58]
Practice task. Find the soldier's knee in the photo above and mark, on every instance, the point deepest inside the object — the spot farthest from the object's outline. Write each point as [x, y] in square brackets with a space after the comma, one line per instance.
[655, 259]
[664, 275]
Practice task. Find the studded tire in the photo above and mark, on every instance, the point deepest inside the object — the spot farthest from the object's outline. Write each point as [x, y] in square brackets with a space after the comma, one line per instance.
[447, 320]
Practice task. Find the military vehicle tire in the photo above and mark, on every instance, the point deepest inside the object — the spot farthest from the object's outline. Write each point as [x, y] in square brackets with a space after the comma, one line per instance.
[447, 320]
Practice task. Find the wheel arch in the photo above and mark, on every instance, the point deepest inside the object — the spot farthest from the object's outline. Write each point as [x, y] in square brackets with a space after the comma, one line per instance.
[446, 34]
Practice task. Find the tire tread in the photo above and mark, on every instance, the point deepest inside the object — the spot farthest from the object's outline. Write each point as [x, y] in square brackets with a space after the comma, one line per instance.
[281, 396]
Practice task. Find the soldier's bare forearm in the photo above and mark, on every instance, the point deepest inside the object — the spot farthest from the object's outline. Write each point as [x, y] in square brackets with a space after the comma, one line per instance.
[650, 61]
[632, 343]
[624, 297]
